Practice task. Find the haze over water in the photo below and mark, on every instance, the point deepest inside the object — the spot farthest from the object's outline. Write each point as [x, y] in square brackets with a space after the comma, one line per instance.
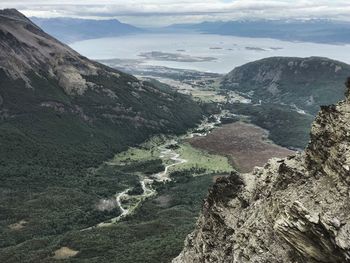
[229, 51]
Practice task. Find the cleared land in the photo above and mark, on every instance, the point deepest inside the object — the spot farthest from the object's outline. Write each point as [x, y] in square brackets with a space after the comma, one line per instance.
[207, 95]
[245, 145]
[201, 160]
[65, 253]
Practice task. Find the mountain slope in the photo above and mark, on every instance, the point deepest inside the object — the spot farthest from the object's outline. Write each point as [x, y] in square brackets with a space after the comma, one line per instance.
[60, 115]
[306, 83]
[73, 29]
[292, 210]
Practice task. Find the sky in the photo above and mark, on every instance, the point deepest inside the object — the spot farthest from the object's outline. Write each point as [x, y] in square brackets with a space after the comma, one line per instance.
[164, 12]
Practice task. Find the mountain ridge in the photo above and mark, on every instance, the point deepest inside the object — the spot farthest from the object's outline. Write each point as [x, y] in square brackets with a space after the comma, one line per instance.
[291, 210]
[317, 31]
[61, 116]
[305, 83]
[71, 30]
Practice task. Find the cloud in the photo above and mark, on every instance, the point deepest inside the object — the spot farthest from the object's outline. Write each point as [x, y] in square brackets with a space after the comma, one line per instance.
[168, 11]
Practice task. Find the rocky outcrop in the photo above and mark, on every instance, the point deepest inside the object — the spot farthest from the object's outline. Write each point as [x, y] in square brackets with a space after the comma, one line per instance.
[305, 83]
[24, 47]
[295, 209]
[37, 69]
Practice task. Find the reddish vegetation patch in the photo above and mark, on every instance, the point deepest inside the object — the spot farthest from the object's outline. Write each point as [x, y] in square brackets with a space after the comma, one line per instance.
[246, 145]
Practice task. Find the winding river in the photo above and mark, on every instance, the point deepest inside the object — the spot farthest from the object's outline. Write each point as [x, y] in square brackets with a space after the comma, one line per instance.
[166, 153]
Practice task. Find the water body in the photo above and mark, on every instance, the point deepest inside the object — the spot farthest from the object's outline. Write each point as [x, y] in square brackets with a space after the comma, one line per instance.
[229, 51]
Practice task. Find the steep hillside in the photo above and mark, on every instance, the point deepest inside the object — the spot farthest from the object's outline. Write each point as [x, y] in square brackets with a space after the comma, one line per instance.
[287, 127]
[61, 114]
[306, 83]
[293, 210]
[74, 29]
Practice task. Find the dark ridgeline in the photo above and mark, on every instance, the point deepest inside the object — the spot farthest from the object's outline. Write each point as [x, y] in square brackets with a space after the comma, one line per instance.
[314, 30]
[72, 29]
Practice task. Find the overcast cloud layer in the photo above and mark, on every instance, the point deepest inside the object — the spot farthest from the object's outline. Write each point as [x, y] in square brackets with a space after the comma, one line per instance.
[164, 12]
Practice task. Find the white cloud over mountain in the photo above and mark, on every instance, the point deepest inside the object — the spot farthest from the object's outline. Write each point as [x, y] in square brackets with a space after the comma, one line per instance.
[149, 12]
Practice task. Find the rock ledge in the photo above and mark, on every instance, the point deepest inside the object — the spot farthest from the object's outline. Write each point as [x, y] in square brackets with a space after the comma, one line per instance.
[295, 209]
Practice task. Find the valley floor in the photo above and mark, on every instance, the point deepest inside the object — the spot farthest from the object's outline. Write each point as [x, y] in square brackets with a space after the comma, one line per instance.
[159, 185]
[155, 220]
[246, 145]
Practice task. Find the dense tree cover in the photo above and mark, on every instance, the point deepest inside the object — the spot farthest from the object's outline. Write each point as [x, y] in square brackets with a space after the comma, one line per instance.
[286, 126]
[49, 155]
[155, 233]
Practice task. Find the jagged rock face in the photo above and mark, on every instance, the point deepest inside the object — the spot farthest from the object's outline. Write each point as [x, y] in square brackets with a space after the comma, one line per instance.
[295, 209]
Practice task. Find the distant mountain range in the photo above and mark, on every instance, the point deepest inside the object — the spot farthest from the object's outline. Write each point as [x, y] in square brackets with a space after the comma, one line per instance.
[73, 29]
[70, 30]
[318, 31]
